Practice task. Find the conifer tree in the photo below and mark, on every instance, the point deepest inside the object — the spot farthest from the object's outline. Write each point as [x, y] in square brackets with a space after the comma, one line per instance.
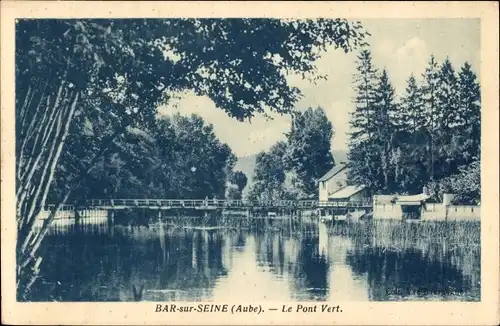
[430, 102]
[447, 140]
[385, 109]
[410, 140]
[411, 115]
[469, 110]
[447, 97]
[365, 85]
[362, 153]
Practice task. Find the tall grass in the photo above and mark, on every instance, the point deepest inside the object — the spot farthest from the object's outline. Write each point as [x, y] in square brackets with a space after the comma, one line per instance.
[455, 242]
[401, 235]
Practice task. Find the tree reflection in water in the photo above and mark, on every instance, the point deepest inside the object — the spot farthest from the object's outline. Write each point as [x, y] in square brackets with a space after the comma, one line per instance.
[409, 274]
[311, 271]
[300, 260]
[170, 264]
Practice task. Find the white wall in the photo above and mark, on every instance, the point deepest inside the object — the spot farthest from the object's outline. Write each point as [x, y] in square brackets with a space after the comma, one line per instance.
[332, 185]
[323, 191]
[455, 212]
[434, 212]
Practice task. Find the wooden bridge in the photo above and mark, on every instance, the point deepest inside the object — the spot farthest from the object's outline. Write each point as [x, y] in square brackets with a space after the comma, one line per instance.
[95, 210]
[209, 205]
[217, 204]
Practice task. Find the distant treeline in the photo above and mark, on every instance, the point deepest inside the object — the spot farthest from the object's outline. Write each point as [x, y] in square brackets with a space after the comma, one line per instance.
[170, 157]
[429, 137]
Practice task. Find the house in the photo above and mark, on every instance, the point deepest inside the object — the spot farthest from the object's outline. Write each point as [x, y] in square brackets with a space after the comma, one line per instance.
[332, 181]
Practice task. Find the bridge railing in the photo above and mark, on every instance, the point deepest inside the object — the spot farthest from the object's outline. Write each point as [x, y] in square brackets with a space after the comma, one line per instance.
[223, 203]
[62, 208]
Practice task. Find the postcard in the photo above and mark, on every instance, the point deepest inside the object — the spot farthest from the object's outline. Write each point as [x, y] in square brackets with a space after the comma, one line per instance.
[310, 163]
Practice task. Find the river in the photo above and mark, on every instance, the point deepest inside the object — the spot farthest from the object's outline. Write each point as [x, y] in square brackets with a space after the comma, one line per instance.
[308, 263]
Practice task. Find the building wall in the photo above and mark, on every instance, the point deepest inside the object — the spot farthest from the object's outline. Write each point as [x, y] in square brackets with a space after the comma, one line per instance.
[434, 212]
[360, 196]
[332, 185]
[323, 190]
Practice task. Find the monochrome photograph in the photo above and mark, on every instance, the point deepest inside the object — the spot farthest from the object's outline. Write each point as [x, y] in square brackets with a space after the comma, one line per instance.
[248, 160]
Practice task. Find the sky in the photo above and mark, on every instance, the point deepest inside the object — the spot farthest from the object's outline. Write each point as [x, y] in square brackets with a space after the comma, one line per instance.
[401, 46]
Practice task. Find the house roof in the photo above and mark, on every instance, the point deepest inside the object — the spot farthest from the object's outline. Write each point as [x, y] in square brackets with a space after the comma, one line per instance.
[346, 192]
[333, 171]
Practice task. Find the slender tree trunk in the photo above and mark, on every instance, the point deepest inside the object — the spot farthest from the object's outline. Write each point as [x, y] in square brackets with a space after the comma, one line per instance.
[27, 260]
[49, 169]
[45, 131]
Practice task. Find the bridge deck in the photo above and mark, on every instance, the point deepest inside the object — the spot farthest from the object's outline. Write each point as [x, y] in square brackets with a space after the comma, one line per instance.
[214, 204]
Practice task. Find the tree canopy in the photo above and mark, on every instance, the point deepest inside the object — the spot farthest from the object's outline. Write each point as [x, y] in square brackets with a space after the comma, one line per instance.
[429, 137]
[291, 168]
[81, 84]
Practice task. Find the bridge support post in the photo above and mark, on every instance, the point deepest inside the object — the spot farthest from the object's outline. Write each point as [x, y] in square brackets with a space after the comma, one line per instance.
[77, 218]
[111, 218]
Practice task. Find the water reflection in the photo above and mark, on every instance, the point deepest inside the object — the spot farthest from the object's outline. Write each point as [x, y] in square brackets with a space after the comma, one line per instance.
[301, 261]
[410, 275]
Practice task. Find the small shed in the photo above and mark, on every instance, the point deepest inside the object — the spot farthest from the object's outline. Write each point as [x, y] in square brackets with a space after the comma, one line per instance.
[399, 206]
[411, 206]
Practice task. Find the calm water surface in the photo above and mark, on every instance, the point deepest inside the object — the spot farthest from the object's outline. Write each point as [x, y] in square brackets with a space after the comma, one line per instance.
[304, 264]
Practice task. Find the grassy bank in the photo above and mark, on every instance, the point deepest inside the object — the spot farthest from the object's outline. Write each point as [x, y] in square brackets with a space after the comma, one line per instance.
[392, 233]
[403, 235]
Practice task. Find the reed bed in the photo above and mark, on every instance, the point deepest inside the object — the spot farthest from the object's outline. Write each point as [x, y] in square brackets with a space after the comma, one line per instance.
[402, 235]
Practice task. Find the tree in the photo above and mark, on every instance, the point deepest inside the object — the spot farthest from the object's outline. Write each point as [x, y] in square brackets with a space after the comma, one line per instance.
[385, 110]
[430, 102]
[239, 179]
[371, 156]
[203, 162]
[269, 175]
[232, 192]
[465, 185]
[469, 111]
[362, 153]
[447, 97]
[459, 146]
[237, 182]
[120, 70]
[408, 144]
[365, 84]
[175, 157]
[447, 143]
[308, 152]
[411, 116]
